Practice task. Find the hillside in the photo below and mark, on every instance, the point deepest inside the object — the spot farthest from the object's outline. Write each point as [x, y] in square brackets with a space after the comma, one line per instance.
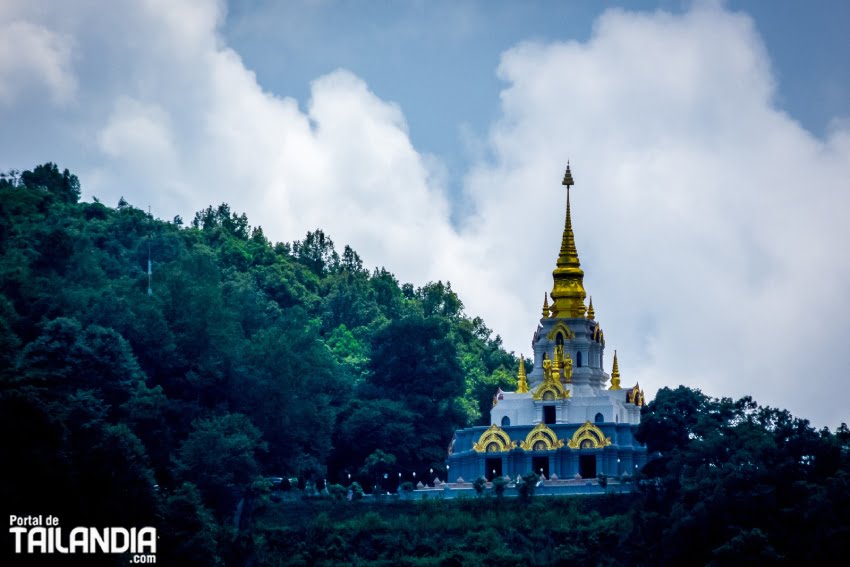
[250, 359]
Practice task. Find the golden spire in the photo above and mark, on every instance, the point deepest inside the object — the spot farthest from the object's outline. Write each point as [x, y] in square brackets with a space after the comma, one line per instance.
[615, 375]
[545, 305]
[568, 292]
[522, 384]
[590, 313]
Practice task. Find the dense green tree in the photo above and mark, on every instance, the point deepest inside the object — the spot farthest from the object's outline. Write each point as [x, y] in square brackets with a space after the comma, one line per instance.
[64, 186]
[349, 301]
[350, 262]
[151, 415]
[45, 361]
[316, 252]
[221, 218]
[220, 456]
[732, 479]
[388, 294]
[67, 356]
[116, 472]
[367, 426]
[350, 352]
[291, 387]
[190, 534]
[439, 299]
[414, 361]
[377, 465]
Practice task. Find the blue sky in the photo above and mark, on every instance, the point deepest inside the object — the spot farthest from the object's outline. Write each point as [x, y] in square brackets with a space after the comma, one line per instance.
[709, 141]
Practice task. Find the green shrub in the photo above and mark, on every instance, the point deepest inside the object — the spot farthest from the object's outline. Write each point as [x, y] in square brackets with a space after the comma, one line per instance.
[499, 486]
[337, 491]
[260, 487]
[479, 485]
[526, 484]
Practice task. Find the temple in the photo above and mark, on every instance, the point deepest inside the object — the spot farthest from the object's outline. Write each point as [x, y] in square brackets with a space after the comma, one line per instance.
[565, 417]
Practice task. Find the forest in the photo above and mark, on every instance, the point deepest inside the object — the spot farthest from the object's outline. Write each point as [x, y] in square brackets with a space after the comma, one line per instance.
[171, 400]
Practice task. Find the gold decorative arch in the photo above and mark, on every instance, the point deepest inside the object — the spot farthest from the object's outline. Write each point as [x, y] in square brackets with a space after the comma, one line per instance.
[550, 391]
[588, 436]
[494, 440]
[541, 438]
[560, 326]
[551, 388]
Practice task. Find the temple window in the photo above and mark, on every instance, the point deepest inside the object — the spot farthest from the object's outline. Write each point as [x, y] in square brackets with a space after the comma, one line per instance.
[506, 421]
[548, 414]
[578, 359]
[599, 418]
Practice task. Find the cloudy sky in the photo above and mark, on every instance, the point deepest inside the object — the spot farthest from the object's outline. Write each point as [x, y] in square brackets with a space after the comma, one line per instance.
[709, 141]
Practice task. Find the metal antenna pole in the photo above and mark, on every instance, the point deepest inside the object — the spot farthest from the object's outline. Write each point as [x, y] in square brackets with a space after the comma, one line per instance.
[150, 265]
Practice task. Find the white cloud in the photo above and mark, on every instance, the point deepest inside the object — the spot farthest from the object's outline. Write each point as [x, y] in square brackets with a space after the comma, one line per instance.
[708, 222]
[188, 118]
[137, 131]
[33, 58]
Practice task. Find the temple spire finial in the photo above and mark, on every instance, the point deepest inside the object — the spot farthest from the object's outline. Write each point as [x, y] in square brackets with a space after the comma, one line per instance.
[615, 375]
[568, 242]
[522, 383]
[568, 292]
[545, 305]
[590, 312]
[568, 178]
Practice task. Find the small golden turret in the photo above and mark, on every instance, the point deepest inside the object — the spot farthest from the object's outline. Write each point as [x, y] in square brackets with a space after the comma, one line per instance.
[545, 305]
[590, 313]
[568, 292]
[615, 375]
[522, 383]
